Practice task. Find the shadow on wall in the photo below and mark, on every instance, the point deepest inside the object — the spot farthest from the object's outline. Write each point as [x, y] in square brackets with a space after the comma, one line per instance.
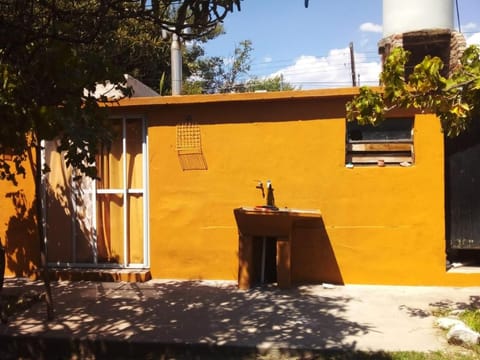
[21, 242]
[22, 246]
[182, 319]
[72, 237]
[60, 232]
[313, 258]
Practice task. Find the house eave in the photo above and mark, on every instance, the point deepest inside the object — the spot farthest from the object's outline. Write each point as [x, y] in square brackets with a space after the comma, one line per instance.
[237, 97]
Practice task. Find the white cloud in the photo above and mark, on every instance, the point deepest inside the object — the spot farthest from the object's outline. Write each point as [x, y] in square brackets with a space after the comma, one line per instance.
[371, 27]
[473, 39]
[267, 59]
[333, 70]
[469, 27]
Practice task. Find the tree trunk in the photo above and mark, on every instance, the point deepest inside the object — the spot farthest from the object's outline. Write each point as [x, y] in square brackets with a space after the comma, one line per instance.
[41, 230]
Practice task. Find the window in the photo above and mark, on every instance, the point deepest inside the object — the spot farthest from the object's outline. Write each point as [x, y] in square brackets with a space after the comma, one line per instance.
[389, 143]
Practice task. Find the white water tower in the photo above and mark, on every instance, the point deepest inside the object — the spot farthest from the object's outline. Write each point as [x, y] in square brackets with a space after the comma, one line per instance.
[402, 16]
[422, 27]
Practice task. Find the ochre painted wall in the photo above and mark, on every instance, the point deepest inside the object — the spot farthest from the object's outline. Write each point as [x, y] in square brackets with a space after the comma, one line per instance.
[381, 225]
[17, 224]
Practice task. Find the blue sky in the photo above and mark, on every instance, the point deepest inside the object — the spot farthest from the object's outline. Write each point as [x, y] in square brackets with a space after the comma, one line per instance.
[310, 47]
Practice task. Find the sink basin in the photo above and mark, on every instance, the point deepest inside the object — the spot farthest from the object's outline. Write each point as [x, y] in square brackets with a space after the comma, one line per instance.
[271, 221]
[266, 207]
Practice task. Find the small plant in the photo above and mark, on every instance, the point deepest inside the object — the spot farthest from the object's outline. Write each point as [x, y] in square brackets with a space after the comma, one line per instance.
[471, 318]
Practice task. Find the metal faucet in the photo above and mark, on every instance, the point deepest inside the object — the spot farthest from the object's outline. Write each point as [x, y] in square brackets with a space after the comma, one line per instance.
[270, 197]
[260, 186]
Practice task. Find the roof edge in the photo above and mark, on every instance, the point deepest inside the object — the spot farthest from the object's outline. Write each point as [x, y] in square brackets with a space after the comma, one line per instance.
[237, 97]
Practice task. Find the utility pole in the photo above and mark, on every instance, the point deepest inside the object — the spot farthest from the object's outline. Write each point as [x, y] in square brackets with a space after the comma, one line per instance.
[352, 64]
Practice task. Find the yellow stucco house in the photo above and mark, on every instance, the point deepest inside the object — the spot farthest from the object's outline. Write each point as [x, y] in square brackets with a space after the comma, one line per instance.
[164, 206]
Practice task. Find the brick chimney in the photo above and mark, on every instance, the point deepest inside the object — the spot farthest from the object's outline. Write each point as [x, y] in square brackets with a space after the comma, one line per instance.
[447, 44]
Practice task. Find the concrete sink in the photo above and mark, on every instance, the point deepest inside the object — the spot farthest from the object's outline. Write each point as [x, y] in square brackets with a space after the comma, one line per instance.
[262, 222]
[271, 222]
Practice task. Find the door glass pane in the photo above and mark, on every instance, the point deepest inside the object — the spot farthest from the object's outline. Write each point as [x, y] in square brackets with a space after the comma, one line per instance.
[110, 162]
[110, 228]
[84, 234]
[134, 153]
[59, 210]
[135, 228]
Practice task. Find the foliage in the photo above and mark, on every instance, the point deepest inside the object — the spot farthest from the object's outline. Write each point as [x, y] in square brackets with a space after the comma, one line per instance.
[454, 99]
[471, 318]
[143, 50]
[275, 83]
[61, 48]
[221, 75]
[432, 355]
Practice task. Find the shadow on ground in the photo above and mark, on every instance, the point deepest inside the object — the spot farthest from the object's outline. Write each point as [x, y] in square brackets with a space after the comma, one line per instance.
[442, 306]
[184, 320]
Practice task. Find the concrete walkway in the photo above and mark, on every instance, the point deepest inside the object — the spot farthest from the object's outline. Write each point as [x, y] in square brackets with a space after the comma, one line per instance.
[208, 315]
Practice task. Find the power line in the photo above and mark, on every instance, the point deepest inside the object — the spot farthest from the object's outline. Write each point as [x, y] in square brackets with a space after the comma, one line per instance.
[458, 16]
[322, 65]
